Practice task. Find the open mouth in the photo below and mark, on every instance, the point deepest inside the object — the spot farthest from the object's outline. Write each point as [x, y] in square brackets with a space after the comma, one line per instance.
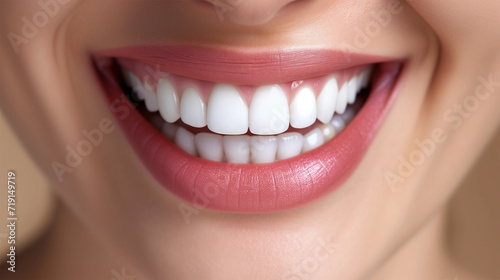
[213, 121]
[228, 138]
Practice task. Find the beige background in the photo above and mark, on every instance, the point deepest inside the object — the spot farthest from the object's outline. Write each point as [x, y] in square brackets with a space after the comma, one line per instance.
[474, 228]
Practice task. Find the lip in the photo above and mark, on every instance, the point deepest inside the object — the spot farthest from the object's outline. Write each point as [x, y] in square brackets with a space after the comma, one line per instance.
[243, 68]
[250, 188]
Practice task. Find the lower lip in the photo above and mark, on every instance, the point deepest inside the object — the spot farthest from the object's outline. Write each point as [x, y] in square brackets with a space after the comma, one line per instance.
[256, 188]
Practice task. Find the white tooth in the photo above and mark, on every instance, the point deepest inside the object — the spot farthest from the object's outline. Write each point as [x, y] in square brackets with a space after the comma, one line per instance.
[269, 111]
[328, 131]
[312, 140]
[359, 85]
[327, 100]
[169, 130]
[365, 77]
[342, 99]
[338, 123]
[352, 90]
[150, 98]
[227, 113]
[193, 109]
[237, 148]
[303, 109]
[263, 149]
[168, 102]
[185, 140]
[137, 86]
[289, 145]
[209, 146]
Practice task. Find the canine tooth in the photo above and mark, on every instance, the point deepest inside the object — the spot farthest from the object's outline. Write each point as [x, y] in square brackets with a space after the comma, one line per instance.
[209, 146]
[193, 111]
[237, 148]
[169, 130]
[289, 145]
[303, 109]
[312, 140]
[269, 113]
[137, 86]
[150, 98]
[338, 123]
[327, 100]
[263, 149]
[328, 131]
[185, 140]
[227, 113]
[342, 99]
[168, 102]
[352, 90]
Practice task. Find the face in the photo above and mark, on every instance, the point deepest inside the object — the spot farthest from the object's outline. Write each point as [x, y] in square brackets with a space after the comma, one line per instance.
[211, 132]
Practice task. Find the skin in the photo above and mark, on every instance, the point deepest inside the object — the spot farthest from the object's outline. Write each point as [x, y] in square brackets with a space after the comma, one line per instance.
[376, 229]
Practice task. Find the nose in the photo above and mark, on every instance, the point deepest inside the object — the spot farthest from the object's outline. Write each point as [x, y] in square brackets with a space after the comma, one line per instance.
[248, 12]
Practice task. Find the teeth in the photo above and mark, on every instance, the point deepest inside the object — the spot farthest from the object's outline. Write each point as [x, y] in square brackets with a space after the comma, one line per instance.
[168, 102]
[338, 123]
[342, 99]
[185, 140]
[289, 145]
[269, 116]
[348, 115]
[303, 109]
[150, 98]
[255, 149]
[227, 113]
[263, 149]
[352, 90]
[269, 112]
[209, 146]
[328, 131]
[327, 100]
[365, 77]
[359, 85]
[193, 111]
[135, 83]
[312, 140]
[237, 148]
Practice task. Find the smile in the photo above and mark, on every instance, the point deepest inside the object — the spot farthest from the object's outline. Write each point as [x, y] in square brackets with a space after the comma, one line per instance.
[217, 131]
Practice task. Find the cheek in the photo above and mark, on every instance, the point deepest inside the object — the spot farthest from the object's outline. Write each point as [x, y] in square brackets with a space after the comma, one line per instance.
[461, 21]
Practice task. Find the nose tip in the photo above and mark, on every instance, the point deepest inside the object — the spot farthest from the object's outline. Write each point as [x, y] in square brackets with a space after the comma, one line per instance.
[248, 12]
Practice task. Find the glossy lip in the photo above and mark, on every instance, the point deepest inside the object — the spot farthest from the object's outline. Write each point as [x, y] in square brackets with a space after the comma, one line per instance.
[253, 188]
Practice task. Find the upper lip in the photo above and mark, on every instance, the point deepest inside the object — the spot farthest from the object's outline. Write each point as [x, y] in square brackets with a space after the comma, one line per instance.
[244, 68]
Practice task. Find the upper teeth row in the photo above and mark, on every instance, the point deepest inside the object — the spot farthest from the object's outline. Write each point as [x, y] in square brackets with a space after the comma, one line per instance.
[269, 112]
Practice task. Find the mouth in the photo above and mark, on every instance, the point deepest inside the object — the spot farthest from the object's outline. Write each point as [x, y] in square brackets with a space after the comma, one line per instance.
[248, 132]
